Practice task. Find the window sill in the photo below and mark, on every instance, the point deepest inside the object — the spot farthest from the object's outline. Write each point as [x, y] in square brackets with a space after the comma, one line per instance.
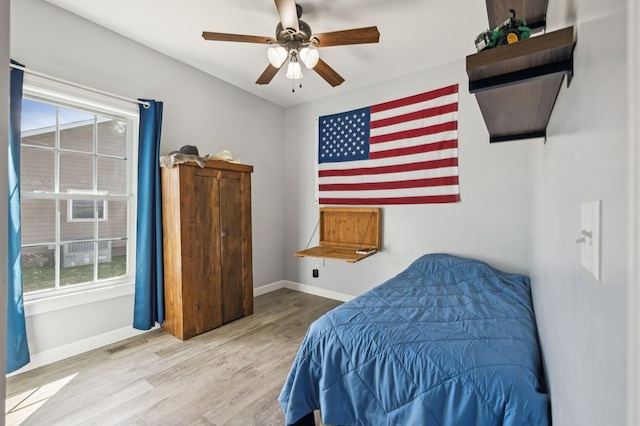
[69, 300]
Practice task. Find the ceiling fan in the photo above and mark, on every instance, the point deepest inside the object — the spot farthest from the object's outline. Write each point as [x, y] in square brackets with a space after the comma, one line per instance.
[295, 43]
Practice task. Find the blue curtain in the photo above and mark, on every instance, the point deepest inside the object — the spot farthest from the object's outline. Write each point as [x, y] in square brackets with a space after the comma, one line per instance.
[149, 295]
[17, 347]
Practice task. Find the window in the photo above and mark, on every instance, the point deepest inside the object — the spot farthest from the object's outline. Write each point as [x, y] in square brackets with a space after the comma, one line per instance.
[77, 191]
[83, 210]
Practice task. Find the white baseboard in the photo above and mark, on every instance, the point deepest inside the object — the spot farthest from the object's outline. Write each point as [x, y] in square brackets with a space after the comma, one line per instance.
[94, 342]
[329, 294]
[66, 351]
[259, 291]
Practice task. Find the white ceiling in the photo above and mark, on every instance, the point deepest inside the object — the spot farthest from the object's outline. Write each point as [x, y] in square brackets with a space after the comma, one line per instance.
[414, 35]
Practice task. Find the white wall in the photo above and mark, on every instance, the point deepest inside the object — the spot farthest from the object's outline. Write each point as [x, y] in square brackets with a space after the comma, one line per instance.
[633, 298]
[582, 322]
[490, 223]
[4, 205]
[198, 110]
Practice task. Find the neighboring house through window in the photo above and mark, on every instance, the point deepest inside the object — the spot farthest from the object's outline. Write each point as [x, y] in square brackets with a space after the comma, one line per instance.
[77, 190]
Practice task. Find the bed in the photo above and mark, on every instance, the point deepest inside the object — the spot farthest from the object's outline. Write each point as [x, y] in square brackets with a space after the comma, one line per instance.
[448, 341]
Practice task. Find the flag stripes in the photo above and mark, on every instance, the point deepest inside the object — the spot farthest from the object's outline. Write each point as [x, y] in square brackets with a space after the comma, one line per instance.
[399, 152]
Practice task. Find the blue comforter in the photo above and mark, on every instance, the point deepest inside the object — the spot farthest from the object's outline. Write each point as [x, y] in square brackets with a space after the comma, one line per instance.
[448, 341]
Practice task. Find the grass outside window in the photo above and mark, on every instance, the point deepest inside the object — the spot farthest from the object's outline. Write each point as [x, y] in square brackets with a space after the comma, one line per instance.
[36, 278]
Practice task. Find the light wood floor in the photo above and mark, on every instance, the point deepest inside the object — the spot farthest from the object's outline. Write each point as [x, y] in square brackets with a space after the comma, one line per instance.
[229, 376]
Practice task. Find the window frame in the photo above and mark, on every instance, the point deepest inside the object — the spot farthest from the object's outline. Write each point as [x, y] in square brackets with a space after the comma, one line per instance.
[41, 89]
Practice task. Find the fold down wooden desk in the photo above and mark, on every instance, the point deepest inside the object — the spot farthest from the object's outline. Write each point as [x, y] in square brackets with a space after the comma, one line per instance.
[347, 233]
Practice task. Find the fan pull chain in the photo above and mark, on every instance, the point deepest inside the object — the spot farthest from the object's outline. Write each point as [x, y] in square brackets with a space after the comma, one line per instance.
[293, 86]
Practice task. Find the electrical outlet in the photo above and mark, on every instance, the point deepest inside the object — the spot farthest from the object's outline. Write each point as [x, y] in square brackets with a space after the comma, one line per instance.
[316, 272]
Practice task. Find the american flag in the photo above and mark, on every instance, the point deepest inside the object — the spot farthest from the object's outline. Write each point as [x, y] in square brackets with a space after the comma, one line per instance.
[399, 152]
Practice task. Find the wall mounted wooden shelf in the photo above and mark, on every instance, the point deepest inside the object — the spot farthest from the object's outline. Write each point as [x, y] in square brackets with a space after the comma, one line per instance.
[347, 233]
[516, 85]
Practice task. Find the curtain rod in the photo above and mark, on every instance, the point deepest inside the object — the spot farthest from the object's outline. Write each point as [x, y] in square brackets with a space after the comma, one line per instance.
[80, 86]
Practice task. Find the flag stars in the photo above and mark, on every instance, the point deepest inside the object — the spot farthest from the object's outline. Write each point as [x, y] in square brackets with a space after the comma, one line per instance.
[344, 136]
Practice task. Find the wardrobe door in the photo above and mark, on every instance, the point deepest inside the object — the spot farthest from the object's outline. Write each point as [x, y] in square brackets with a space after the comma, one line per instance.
[207, 304]
[231, 238]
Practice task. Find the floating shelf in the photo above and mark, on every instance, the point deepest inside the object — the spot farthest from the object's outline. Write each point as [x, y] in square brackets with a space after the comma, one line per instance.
[516, 85]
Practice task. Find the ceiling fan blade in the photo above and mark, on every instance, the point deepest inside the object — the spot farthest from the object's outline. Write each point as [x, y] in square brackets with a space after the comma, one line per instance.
[288, 14]
[328, 73]
[237, 37]
[345, 37]
[267, 75]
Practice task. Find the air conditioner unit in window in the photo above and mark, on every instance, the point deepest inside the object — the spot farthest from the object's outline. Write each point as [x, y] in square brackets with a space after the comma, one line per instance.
[81, 253]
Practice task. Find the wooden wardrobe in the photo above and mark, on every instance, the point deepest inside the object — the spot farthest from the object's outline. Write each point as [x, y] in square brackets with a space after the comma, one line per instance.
[208, 274]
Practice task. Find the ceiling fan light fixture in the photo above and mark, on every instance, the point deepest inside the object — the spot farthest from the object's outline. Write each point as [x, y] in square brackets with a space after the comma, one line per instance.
[309, 57]
[295, 43]
[294, 70]
[277, 55]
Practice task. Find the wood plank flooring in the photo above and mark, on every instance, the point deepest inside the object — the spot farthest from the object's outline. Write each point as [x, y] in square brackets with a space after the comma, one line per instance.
[229, 376]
